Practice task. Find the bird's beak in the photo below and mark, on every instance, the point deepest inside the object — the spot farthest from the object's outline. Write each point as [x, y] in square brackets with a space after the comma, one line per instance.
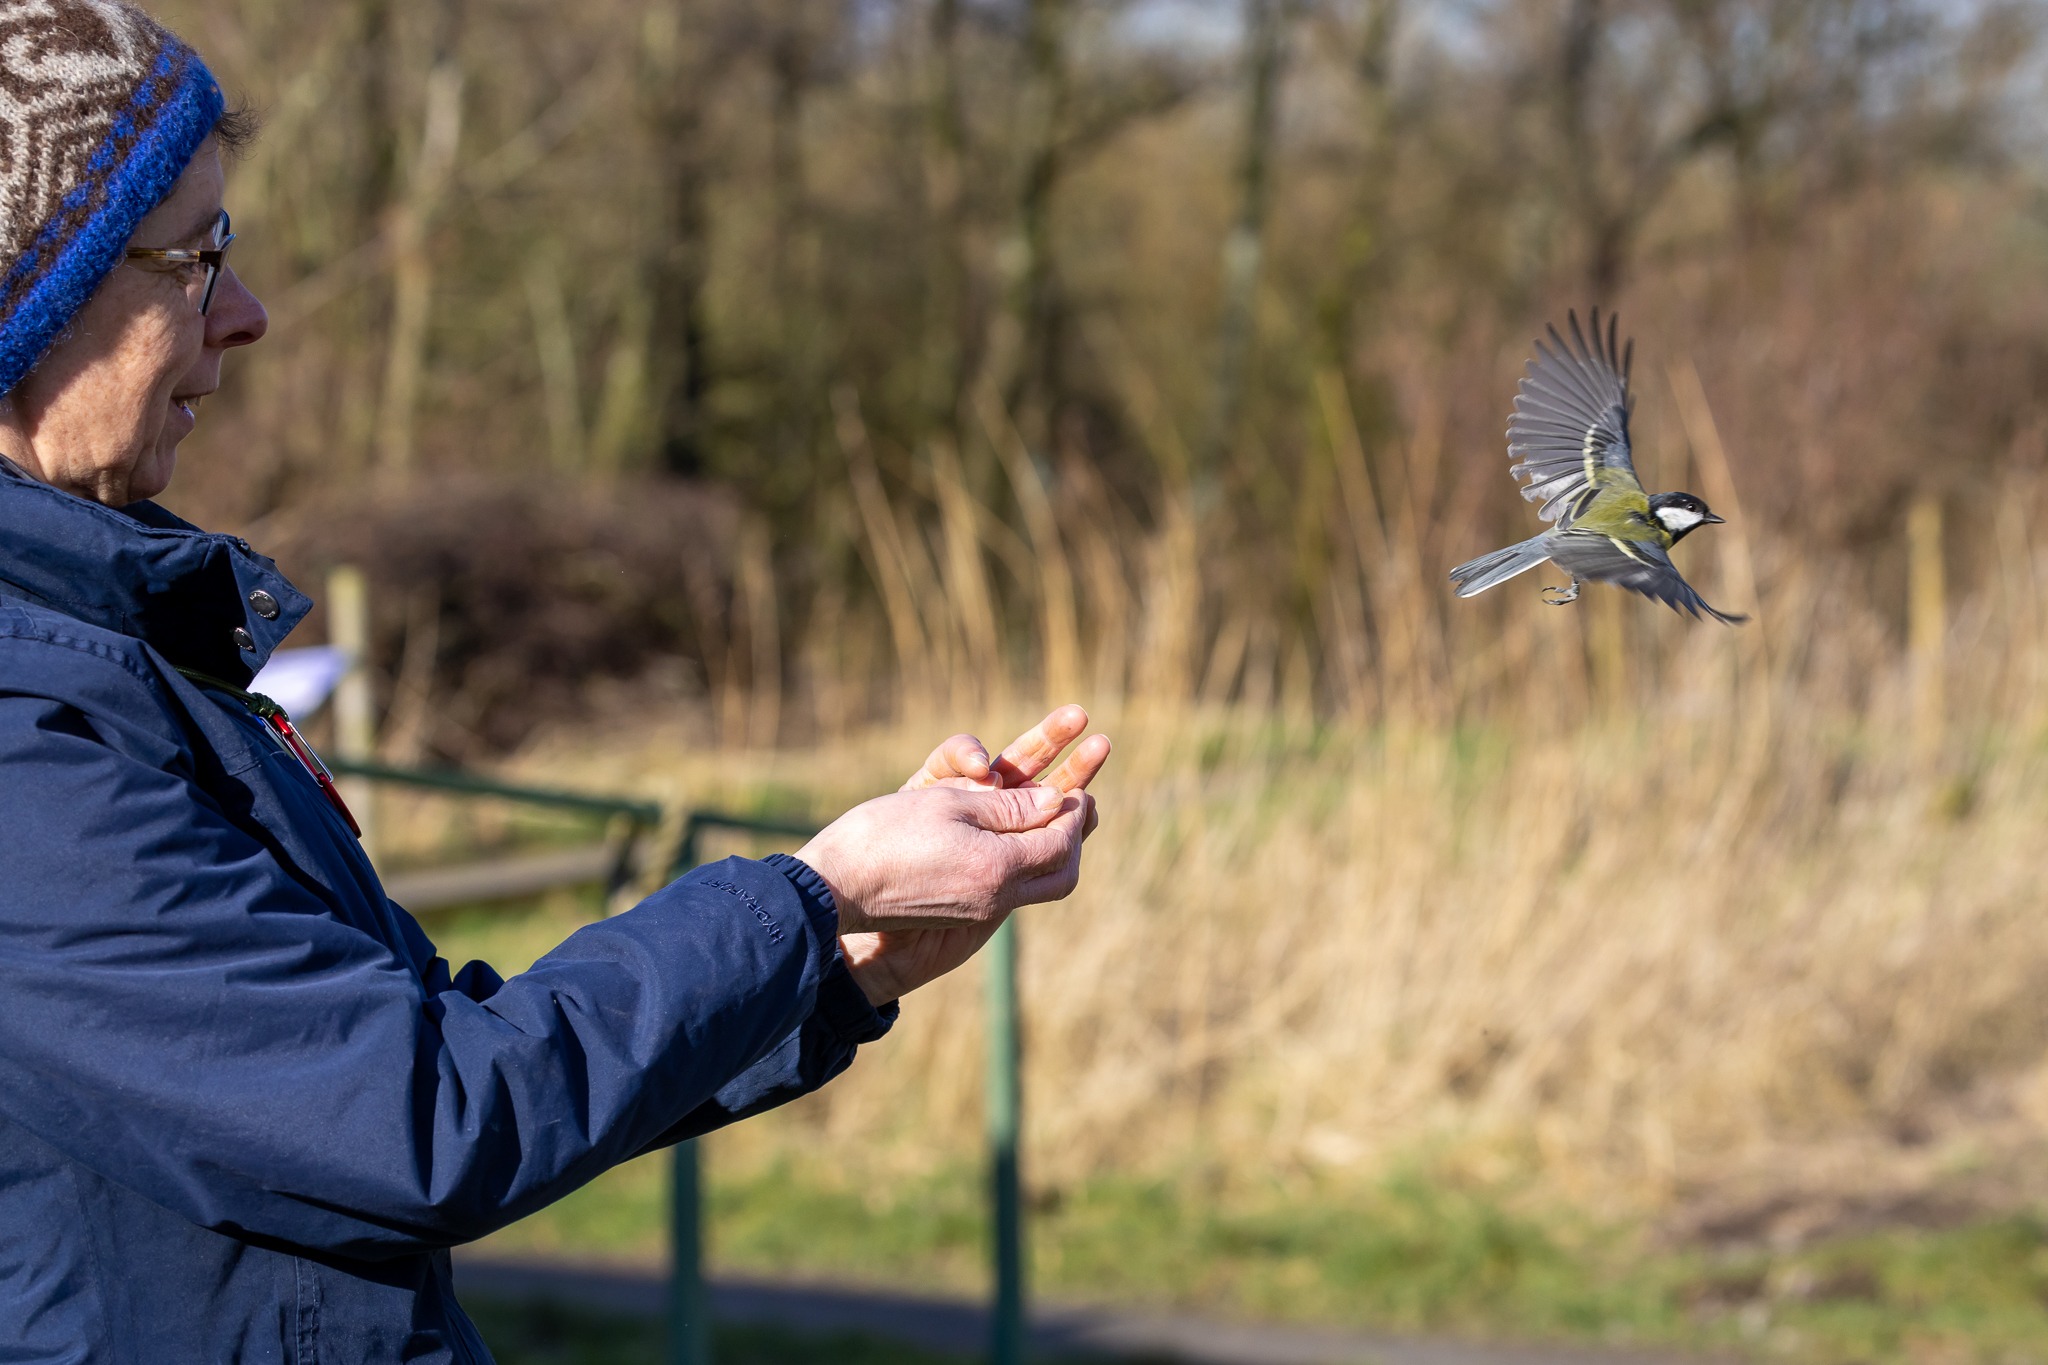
[1713, 520]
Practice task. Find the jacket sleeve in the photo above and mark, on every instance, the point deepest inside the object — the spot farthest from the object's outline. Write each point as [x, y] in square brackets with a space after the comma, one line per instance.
[814, 1052]
[817, 1050]
[185, 1017]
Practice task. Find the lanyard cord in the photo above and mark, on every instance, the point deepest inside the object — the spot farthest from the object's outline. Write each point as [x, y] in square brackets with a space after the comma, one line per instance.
[273, 715]
[258, 704]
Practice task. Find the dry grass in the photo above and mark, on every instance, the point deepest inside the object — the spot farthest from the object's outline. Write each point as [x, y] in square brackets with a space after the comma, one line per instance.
[1738, 927]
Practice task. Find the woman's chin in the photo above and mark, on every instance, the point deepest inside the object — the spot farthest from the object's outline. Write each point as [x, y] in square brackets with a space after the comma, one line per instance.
[153, 475]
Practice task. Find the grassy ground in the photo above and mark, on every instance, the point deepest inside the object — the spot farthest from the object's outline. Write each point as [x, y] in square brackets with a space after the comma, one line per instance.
[1414, 1255]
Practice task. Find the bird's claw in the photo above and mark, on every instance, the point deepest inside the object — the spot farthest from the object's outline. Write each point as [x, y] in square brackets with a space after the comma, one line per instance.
[1559, 597]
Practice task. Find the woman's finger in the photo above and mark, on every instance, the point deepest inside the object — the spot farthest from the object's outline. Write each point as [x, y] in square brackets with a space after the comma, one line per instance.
[1035, 853]
[1082, 765]
[961, 756]
[1058, 873]
[1032, 752]
[1012, 810]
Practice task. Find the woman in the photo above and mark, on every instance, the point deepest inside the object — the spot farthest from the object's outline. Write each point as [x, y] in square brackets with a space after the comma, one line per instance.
[244, 1108]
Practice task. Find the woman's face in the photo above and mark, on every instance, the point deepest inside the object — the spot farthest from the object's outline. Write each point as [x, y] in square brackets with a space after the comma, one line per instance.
[102, 413]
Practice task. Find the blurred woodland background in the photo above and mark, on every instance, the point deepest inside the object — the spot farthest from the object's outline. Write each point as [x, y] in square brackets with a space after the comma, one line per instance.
[1148, 349]
[808, 378]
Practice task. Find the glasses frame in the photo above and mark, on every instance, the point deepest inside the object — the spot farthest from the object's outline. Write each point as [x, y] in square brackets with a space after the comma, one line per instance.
[213, 259]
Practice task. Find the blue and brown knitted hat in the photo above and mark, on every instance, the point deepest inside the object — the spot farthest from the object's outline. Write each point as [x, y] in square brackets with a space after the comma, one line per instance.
[101, 108]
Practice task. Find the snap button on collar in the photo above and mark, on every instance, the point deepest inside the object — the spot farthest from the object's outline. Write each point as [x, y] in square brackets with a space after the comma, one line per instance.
[243, 639]
[266, 605]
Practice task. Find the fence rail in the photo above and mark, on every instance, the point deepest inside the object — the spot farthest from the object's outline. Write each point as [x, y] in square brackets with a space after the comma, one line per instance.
[456, 782]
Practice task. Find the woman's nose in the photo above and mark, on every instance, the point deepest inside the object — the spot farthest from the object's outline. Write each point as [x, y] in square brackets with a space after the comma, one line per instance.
[237, 317]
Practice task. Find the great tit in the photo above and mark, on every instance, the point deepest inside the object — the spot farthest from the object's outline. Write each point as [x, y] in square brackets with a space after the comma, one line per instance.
[1569, 439]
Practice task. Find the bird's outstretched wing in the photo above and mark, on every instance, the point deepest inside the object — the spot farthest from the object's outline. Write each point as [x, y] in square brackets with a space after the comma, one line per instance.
[1638, 565]
[1569, 432]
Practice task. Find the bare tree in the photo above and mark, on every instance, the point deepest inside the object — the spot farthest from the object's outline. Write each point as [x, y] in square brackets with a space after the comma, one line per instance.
[1265, 37]
[412, 290]
[1025, 350]
[1370, 38]
[671, 99]
[948, 358]
[1753, 78]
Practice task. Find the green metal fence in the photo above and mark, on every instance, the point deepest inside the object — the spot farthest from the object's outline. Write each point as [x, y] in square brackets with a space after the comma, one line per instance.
[688, 1303]
[1005, 1127]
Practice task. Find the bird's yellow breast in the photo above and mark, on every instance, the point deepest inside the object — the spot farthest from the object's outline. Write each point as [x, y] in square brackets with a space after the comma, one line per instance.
[1622, 513]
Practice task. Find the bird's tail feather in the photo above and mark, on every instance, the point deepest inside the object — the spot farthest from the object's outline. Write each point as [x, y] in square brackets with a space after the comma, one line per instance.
[1488, 570]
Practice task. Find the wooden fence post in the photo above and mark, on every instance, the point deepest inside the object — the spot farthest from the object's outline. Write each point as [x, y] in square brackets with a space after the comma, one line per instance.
[1926, 627]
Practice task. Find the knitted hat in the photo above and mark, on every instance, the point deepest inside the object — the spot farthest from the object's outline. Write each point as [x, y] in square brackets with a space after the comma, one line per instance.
[101, 109]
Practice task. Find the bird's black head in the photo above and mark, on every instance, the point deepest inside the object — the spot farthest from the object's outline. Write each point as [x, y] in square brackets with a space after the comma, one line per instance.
[1681, 513]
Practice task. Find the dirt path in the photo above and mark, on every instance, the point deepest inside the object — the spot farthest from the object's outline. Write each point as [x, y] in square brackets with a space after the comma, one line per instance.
[961, 1326]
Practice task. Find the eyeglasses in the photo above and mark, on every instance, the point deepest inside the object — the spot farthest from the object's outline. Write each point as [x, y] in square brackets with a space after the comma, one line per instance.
[211, 259]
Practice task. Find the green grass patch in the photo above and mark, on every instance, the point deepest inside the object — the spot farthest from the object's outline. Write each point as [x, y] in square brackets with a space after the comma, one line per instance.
[1409, 1255]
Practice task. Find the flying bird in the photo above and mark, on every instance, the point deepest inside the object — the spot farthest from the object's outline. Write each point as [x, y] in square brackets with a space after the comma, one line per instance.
[1569, 440]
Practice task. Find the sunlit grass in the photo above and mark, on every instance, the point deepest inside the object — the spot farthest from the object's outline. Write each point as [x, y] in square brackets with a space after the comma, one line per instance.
[1412, 1255]
[1416, 1254]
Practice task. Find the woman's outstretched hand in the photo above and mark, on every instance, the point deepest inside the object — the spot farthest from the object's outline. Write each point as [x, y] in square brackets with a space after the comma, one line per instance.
[924, 877]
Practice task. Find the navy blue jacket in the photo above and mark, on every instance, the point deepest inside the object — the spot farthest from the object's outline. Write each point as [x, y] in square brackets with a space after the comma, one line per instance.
[244, 1108]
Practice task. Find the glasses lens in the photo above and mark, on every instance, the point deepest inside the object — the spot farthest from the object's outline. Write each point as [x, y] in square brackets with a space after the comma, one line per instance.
[222, 240]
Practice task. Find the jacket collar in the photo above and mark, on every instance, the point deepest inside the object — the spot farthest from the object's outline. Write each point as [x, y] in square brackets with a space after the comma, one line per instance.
[142, 572]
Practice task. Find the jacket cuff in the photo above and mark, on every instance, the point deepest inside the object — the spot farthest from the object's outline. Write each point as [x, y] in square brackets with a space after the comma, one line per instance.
[842, 1007]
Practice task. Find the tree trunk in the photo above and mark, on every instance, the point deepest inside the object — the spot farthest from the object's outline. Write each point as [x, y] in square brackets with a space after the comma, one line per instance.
[1265, 27]
[377, 186]
[1363, 245]
[412, 290]
[1602, 232]
[672, 95]
[800, 459]
[1026, 349]
[947, 356]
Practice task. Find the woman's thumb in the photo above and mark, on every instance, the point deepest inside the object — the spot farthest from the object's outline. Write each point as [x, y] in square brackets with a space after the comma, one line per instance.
[1014, 809]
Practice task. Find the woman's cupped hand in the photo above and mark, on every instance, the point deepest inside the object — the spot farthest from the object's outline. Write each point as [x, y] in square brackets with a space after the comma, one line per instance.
[925, 876]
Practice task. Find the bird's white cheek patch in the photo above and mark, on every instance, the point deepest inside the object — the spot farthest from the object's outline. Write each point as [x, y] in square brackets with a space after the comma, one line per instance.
[1678, 519]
